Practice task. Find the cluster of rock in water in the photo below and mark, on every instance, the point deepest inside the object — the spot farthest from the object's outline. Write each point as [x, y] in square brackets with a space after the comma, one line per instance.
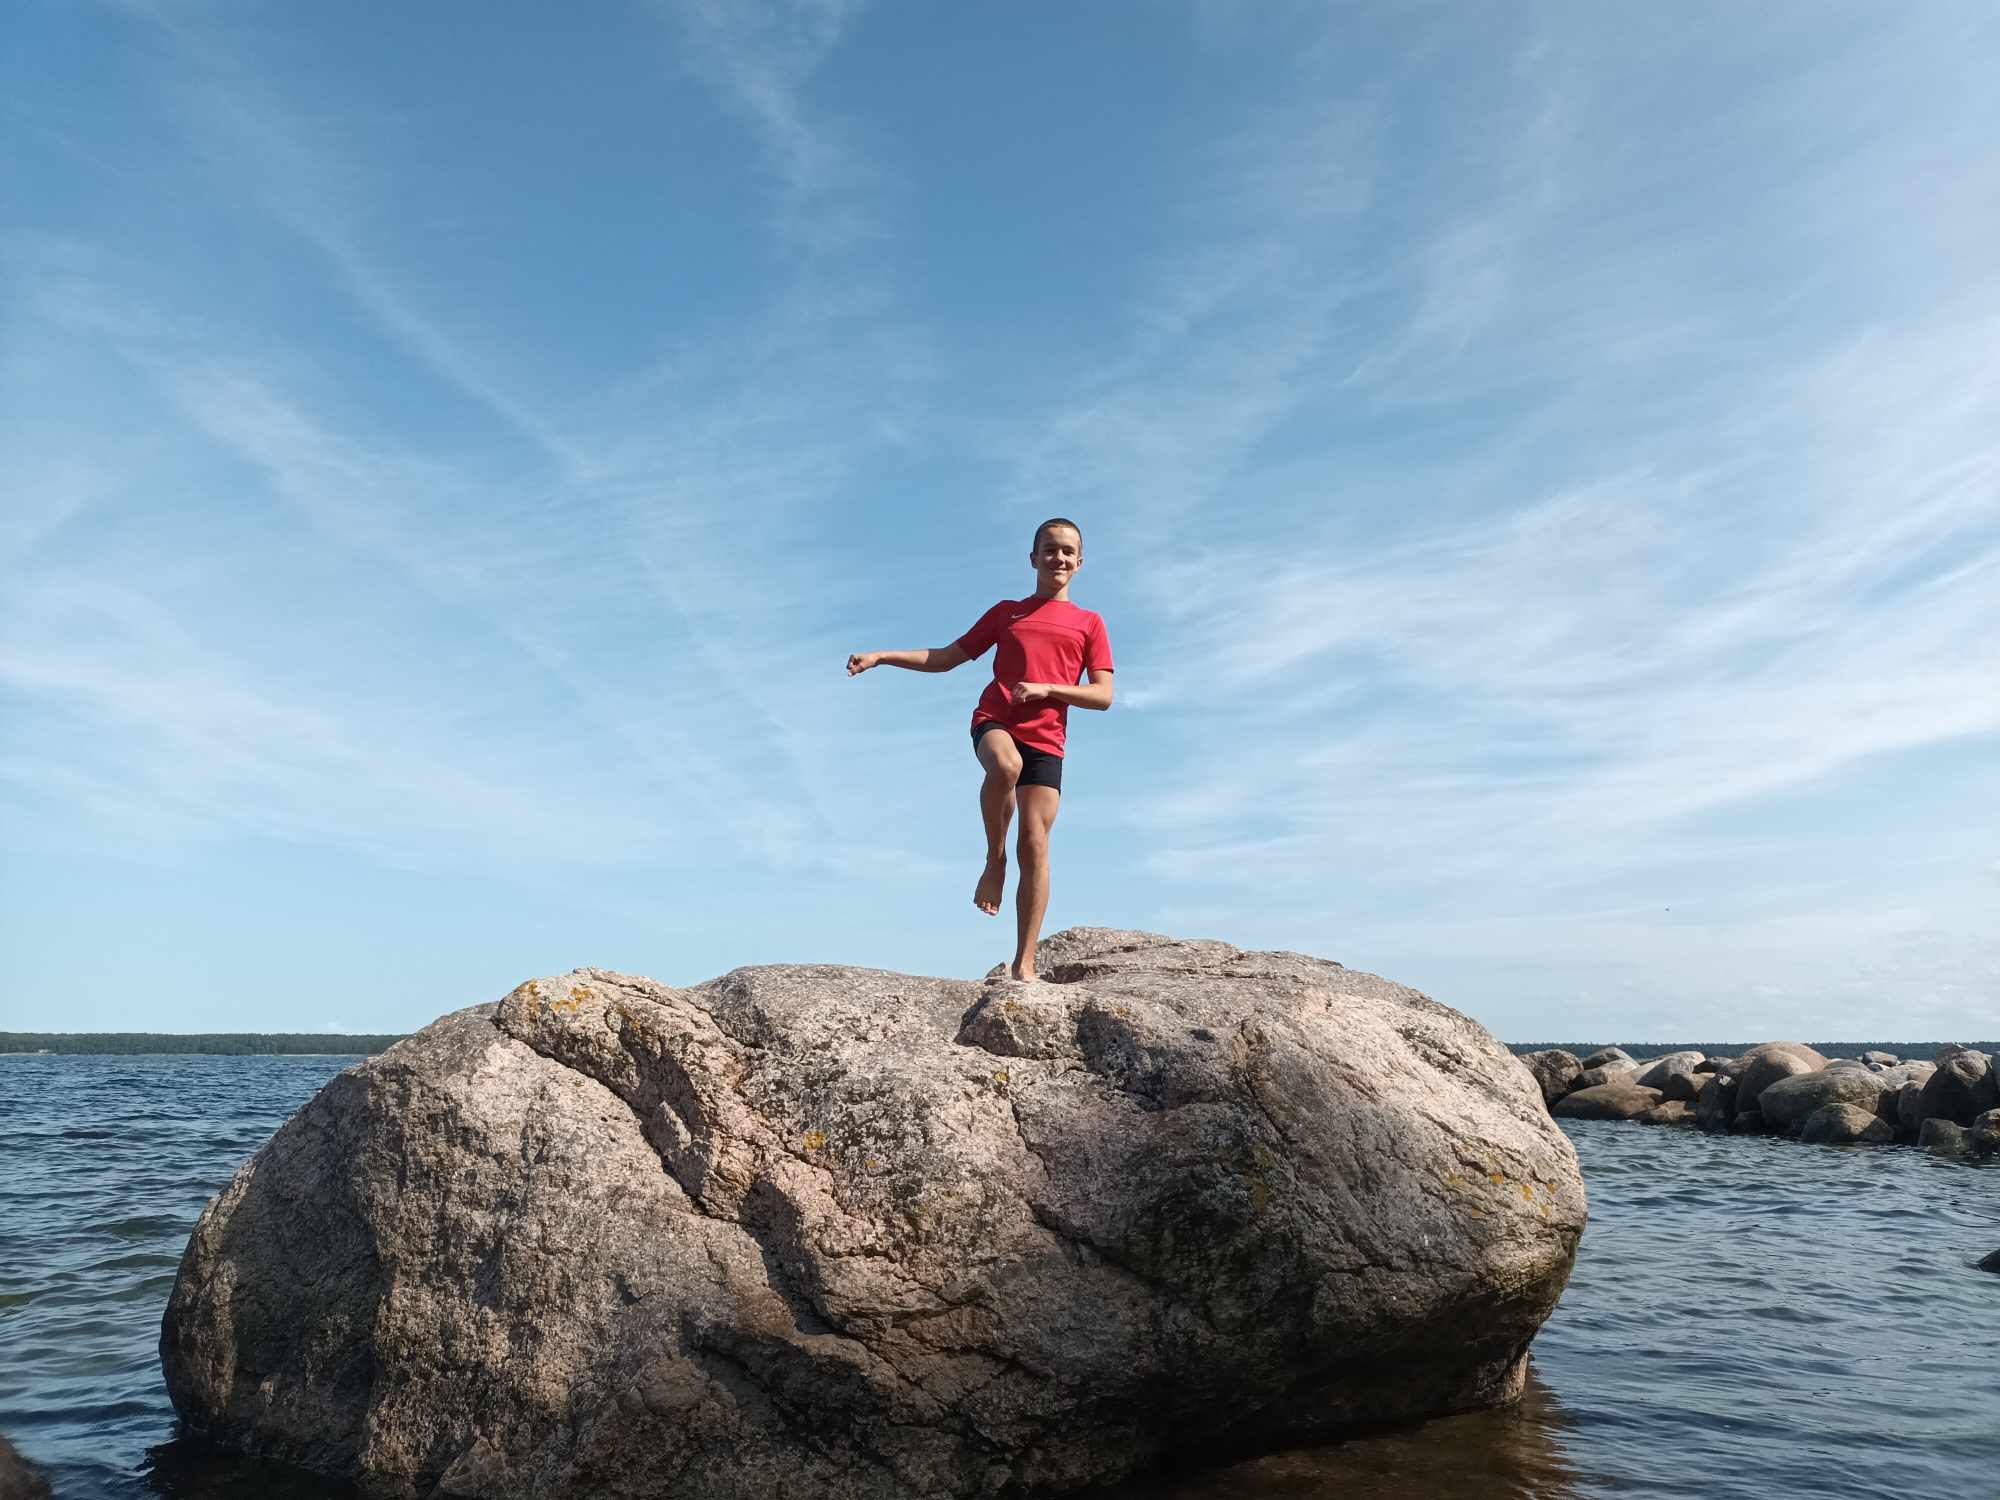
[1951, 1104]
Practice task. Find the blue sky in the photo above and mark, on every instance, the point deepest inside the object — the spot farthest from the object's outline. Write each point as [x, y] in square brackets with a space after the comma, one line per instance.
[1539, 464]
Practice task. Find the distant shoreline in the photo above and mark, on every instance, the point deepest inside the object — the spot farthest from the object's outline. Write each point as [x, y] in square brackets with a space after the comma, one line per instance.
[195, 1043]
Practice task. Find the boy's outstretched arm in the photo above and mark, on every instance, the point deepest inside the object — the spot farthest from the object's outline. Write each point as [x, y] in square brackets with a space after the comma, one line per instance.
[935, 659]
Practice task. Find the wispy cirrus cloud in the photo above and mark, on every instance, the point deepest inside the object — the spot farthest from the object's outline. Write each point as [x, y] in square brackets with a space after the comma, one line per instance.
[760, 58]
[1538, 469]
[672, 495]
[308, 182]
[1690, 550]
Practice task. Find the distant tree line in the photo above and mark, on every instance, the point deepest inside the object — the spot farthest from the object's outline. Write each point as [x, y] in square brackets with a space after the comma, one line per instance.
[1912, 1051]
[214, 1043]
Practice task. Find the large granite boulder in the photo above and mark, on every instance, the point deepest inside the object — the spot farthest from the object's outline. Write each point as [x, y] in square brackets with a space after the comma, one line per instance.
[1553, 1070]
[1964, 1085]
[814, 1231]
[1788, 1102]
[1764, 1065]
[1880, 1058]
[1605, 1055]
[1839, 1124]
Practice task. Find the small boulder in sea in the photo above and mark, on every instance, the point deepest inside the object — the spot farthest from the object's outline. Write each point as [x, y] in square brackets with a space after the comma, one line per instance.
[1611, 1072]
[1607, 1101]
[1667, 1112]
[1984, 1136]
[1554, 1072]
[1946, 1137]
[1750, 1122]
[1765, 1064]
[18, 1481]
[1605, 1055]
[1683, 1088]
[810, 1231]
[1843, 1125]
[1909, 1109]
[1886, 1059]
[1894, 1078]
[1715, 1105]
[1654, 1074]
[1991, 1262]
[1964, 1085]
[1790, 1101]
[1903, 1080]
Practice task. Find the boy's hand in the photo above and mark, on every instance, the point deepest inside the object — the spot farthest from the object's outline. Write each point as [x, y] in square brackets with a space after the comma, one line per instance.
[1030, 692]
[861, 661]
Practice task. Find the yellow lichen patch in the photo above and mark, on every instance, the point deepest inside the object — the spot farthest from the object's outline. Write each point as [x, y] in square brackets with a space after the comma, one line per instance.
[1477, 1213]
[1452, 1179]
[1001, 1078]
[1497, 1178]
[815, 1140]
[1528, 1192]
[567, 1005]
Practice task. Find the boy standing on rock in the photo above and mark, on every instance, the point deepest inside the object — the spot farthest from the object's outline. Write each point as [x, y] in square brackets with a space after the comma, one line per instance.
[1045, 643]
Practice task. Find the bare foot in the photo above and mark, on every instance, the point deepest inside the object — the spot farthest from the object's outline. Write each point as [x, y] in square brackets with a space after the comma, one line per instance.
[1024, 974]
[992, 885]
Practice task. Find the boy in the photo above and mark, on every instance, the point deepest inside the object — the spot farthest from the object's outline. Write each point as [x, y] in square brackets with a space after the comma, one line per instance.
[1018, 727]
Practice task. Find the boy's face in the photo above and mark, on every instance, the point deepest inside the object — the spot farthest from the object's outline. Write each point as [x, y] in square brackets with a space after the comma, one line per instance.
[1058, 554]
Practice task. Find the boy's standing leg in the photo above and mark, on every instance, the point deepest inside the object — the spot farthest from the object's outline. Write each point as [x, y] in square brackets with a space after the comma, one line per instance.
[1002, 761]
[1038, 806]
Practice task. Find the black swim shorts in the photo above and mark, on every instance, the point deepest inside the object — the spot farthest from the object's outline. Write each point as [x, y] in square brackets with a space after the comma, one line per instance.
[1038, 767]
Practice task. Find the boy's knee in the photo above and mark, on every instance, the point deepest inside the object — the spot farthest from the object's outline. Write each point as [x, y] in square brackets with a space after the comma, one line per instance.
[1033, 842]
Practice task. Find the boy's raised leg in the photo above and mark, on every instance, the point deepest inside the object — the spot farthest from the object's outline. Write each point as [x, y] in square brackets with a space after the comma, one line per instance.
[1031, 897]
[997, 753]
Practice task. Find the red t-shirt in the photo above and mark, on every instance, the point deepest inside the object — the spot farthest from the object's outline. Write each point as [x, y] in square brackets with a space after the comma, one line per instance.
[1040, 640]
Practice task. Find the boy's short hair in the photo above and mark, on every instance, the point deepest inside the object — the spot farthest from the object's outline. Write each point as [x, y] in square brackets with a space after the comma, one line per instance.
[1036, 546]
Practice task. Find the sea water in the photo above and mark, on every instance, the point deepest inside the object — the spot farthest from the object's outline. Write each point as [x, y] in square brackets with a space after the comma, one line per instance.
[1749, 1316]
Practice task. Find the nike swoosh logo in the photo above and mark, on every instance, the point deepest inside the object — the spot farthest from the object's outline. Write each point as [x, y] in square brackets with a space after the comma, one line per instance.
[1021, 616]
